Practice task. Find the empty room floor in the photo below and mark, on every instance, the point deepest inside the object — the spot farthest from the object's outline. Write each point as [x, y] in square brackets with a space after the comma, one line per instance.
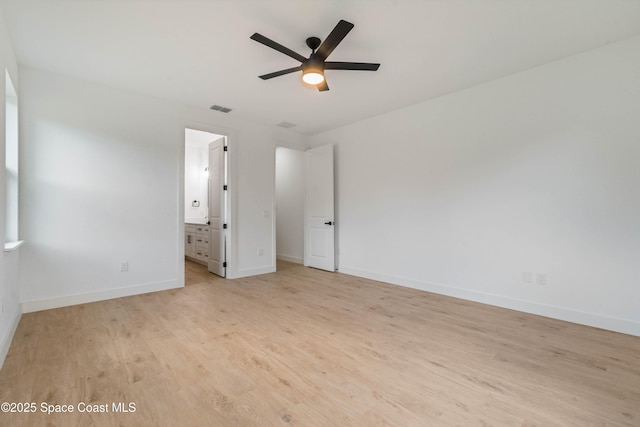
[311, 348]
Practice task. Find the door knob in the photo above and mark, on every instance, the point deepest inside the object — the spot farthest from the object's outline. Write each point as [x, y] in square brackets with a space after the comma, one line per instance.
[329, 223]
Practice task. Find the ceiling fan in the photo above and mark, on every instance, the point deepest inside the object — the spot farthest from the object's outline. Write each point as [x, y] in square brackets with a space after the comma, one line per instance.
[313, 67]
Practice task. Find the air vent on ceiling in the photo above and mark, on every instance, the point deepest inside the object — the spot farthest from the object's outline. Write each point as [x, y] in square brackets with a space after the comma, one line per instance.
[220, 108]
[286, 125]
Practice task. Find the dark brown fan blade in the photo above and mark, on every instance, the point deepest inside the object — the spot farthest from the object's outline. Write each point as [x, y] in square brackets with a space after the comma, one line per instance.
[280, 73]
[277, 46]
[364, 66]
[323, 86]
[334, 38]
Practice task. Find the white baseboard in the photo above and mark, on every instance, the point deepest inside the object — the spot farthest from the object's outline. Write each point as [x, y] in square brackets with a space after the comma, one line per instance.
[250, 272]
[567, 314]
[67, 300]
[7, 338]
[297, 260]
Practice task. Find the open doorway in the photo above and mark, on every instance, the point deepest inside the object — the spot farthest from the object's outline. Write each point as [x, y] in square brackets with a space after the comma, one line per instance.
[206, 200]
[289, 197]
[305, 207]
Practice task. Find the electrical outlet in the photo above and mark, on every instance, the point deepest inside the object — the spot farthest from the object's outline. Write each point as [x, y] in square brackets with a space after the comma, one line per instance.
[527, 277]
[124, 266]
[541, 279]
[260, 252]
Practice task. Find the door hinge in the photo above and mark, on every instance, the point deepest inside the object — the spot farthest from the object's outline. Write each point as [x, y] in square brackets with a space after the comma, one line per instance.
[224, 264]
[225, 187]
[224, 225]
[225, 148]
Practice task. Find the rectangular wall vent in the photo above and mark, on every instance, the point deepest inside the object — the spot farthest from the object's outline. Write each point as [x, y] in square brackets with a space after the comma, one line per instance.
[286, 125]
[220, 108]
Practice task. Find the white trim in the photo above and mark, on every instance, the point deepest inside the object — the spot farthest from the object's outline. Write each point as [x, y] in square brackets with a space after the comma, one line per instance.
[12, 246]
[624, 326]
[296, 259]
[251, 272]
[65, 301]
[5, 343]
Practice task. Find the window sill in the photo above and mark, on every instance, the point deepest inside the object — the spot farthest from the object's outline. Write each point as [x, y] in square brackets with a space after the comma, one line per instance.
[12, 246]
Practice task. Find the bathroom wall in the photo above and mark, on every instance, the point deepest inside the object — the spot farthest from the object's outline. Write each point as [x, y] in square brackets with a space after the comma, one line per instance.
[195, 174]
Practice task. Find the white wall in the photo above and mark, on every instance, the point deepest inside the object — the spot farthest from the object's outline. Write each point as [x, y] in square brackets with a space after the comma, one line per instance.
[10, 310]
[102, 178]
[99, 185]
[536, 172]
[290, 204]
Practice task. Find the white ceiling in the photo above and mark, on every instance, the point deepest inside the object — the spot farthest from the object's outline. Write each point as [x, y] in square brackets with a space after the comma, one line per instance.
[199, 52]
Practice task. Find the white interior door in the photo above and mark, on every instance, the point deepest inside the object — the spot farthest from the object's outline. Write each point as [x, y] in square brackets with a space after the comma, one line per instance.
[217, 252]
[319, 232]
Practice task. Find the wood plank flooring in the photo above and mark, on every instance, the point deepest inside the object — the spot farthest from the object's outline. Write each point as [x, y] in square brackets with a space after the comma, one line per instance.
[309, 348]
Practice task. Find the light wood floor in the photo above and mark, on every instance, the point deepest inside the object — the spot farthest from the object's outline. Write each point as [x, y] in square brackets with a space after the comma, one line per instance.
[310, 348]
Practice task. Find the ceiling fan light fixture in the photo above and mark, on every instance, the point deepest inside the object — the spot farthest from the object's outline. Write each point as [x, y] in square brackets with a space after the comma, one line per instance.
[312, 71]
[313, 67]
[312, 77]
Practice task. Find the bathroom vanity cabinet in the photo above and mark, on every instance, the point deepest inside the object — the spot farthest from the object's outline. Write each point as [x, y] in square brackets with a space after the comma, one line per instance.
[196, 242]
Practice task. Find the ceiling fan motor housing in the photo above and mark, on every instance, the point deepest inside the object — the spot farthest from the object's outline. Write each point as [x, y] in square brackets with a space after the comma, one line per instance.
[313, 64]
